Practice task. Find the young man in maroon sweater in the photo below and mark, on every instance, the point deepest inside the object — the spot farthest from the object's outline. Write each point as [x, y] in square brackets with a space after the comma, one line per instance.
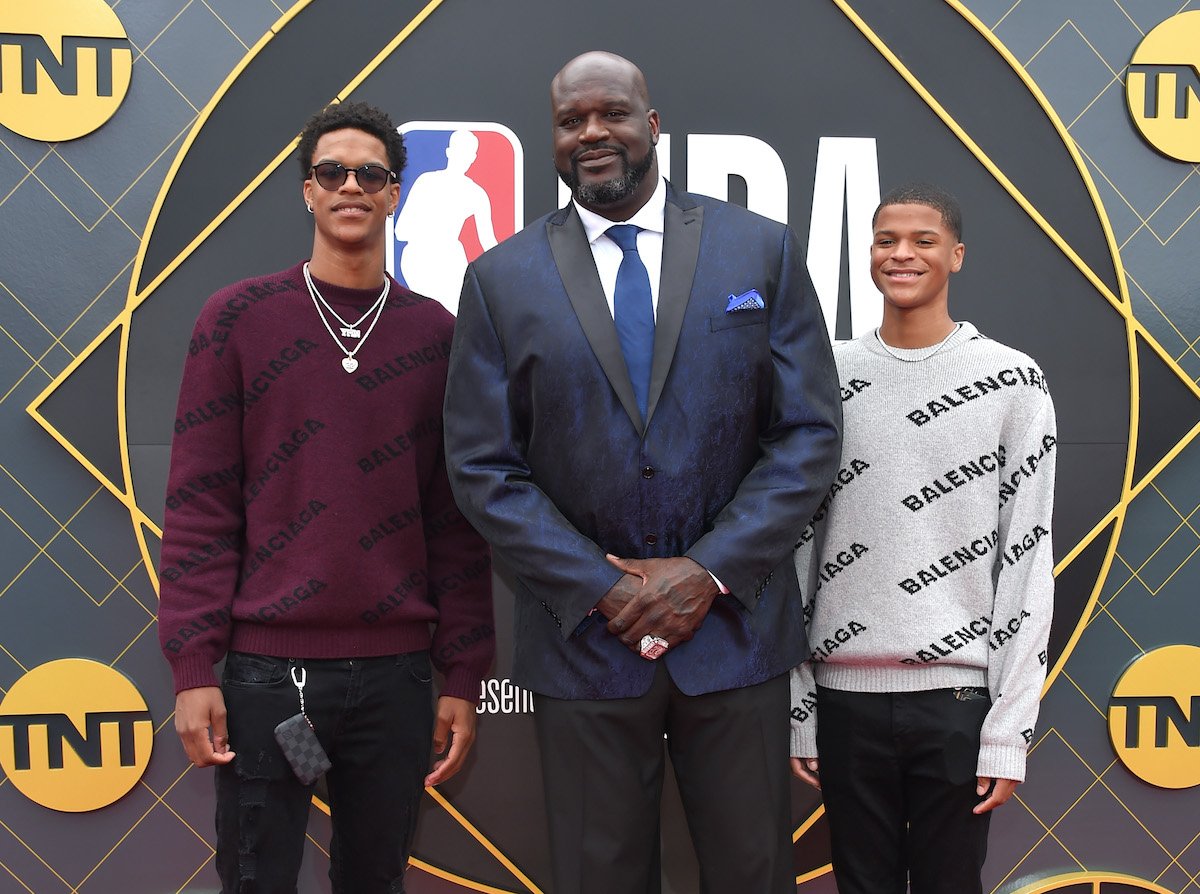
[312, 541]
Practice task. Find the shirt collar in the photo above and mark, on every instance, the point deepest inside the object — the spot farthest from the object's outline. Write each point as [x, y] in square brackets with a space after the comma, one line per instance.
[649, 217]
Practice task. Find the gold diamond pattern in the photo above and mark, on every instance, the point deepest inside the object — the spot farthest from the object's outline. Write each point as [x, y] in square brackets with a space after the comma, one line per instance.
[1154, 217]
[50, 542]
[1153, 205]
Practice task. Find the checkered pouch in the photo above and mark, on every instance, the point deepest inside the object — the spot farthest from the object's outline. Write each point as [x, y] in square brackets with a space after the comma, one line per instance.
[298, 740]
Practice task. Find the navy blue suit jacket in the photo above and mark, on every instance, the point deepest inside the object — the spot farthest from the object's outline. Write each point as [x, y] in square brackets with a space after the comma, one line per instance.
[551, 462]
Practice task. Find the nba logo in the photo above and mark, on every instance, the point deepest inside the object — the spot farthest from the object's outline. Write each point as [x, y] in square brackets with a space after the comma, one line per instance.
[461, 194]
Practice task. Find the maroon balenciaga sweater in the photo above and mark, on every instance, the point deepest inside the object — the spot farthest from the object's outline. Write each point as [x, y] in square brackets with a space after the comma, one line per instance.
[308, 511]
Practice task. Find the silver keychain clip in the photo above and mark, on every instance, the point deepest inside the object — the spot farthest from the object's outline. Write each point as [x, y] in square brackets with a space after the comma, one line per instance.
[300, 681]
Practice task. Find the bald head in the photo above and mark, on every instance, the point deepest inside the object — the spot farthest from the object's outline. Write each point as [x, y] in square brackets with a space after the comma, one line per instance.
[600, 68]
[604, 134]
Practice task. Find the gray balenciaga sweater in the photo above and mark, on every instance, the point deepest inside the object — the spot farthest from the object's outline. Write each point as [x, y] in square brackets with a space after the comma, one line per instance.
[929, 564]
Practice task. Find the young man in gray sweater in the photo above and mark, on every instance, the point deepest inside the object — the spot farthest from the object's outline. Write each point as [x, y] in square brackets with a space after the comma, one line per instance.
[927, 575]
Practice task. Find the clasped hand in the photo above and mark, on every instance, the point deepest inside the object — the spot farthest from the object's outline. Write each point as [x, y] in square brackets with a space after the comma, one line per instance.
[669, 598]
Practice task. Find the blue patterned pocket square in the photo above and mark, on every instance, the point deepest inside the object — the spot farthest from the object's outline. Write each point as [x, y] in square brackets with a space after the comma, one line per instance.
[746, 301]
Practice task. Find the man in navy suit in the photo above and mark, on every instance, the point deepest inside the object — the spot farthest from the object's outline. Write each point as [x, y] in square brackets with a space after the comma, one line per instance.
[641, 421]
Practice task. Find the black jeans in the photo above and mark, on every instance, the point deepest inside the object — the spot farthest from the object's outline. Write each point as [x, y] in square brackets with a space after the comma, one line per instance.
[374, 718]
[898, 780]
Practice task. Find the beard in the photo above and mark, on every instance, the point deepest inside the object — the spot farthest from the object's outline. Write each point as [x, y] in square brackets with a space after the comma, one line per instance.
[611, 191]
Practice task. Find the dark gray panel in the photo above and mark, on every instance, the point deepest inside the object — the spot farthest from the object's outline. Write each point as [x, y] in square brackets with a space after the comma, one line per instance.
[1143, 612]
[1065, 713]
[1167, 410]
[111, 158]
[52, 263]
[74, 843]
[1086, 486]
[1072, 590]
[1138, 853]
[1098, 660]
[238, 139]
[954, 62]
[150, 463]
[1060, 776]
[83, 408]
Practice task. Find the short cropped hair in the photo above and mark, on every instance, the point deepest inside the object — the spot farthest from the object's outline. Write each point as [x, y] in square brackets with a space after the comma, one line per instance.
[356, 115]
[927, 194]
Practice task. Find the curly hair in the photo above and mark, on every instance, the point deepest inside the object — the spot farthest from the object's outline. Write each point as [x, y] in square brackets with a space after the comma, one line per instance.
[927, 194]
[356, 115]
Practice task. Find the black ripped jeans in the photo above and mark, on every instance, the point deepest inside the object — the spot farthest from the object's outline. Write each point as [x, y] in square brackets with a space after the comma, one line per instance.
[374, 717]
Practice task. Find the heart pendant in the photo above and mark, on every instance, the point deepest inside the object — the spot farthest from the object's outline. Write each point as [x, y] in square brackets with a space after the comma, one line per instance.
[349, 364]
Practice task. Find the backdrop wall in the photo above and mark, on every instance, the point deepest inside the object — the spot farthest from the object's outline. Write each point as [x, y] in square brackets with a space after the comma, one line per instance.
[146, 158]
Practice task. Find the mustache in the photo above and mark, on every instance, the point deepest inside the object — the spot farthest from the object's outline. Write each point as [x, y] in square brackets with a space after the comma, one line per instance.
[608, 147]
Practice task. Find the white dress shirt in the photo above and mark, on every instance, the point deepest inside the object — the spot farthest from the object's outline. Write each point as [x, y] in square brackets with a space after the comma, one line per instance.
[607, 254]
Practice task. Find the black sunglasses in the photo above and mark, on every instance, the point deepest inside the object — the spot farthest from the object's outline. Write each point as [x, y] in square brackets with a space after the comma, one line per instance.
[371, 178]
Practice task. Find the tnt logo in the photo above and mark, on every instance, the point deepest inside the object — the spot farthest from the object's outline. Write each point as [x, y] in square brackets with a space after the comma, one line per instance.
[75, 735]
[65, 67]
[462, 193]
[1163, 87]
[1091, 882]
[1154, 717]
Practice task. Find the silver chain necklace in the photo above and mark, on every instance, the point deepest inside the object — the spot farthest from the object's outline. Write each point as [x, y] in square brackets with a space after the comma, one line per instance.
[348, 330]
[349, 363]
[911, 355]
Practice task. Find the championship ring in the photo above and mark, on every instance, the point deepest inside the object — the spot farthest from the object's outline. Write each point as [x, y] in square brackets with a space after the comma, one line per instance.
[652, 646]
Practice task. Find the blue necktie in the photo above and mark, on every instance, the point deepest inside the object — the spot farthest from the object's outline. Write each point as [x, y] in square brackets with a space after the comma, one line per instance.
[633, 312]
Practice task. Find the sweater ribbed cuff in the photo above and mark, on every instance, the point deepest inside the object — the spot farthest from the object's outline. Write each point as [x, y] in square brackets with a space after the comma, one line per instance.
[463, 682]
[193, 672]
[804, 740]
[1002, 762]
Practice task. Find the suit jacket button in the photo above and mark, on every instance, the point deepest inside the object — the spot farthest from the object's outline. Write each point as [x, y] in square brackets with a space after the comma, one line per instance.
[648, 472]
[651, 539]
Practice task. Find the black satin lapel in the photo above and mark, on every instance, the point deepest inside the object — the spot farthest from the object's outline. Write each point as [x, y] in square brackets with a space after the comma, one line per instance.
[681, 250]
[577, 268]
